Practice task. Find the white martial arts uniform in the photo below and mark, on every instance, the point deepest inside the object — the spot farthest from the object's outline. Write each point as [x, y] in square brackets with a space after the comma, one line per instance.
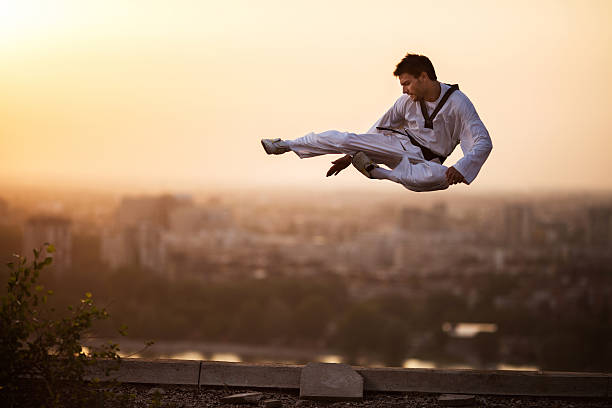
[456, 123]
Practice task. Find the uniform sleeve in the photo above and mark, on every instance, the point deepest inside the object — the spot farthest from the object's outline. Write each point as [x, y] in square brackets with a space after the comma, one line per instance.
[475, 142]
[393, 118]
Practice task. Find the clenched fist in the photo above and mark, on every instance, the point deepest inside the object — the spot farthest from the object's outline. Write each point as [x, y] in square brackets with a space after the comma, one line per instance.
[453, 176]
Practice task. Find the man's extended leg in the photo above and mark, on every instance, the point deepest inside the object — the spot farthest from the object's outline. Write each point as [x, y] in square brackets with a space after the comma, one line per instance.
[381, 148]
[274, 146]
[409, 167]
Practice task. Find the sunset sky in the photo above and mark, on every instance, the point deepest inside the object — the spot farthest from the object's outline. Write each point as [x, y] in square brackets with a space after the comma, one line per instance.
[176, 95]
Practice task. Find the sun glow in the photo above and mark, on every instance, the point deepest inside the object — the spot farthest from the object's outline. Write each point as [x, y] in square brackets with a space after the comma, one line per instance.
[150, 93]
[27, 21]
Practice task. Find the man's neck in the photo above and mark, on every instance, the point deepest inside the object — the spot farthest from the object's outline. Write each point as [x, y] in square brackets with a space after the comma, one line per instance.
[433, 93]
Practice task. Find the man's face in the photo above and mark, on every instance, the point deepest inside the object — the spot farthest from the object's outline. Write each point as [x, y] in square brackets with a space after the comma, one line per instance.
[413, 86]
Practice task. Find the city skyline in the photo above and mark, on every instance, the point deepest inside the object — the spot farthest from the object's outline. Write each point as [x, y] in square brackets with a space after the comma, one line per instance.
[262, 272]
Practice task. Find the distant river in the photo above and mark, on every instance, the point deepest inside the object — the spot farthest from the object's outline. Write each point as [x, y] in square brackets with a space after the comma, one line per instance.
[185, 350]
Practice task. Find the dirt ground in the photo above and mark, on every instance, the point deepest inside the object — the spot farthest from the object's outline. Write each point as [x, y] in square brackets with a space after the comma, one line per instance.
[141, 395]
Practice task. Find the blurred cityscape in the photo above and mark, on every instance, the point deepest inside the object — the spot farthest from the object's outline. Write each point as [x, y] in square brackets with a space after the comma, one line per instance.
[439, 280]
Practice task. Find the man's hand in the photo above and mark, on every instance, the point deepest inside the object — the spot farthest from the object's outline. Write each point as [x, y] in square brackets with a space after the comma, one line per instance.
[453, 176]
[339, 165]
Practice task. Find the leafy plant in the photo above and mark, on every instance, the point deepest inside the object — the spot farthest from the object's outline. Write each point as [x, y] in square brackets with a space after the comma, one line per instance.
[42, 361]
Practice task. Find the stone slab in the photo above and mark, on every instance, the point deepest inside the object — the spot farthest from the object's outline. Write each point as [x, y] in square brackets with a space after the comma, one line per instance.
[146, 371]
[250, 375]
[330, 381]
[493, 382]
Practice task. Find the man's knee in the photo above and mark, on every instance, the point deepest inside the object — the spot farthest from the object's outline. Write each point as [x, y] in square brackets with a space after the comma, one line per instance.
[340, 140]
[345, 139]
[422, 177]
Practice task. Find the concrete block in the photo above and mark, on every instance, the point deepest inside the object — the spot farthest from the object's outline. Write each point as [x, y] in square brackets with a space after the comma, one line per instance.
[147, 371]
[493, 382]
[329, 381]
[250, 375]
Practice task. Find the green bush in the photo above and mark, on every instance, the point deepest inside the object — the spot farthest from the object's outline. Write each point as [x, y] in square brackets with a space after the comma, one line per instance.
[42, 362]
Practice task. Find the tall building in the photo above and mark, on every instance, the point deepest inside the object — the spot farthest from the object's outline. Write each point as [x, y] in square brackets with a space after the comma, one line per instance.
[599, 228]
[434, 219]
[142, 245]
[53, 229]
[151, 247]
[137, 238]
[119, 247]
[518, 224]
[152, 209]
[3, 207]
[134, 210]
[4, 212]
[186, 221]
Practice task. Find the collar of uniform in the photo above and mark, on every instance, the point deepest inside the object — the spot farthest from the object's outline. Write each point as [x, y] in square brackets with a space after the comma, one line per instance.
[443, 88]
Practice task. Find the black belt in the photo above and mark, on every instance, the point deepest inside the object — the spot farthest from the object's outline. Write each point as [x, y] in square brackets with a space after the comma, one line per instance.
[427, 153]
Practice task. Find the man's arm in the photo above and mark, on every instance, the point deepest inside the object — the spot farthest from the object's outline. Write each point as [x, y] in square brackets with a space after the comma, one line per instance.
[475, 143]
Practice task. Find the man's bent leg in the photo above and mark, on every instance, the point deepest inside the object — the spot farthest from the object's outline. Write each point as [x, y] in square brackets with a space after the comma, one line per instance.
[383, 174]
[380, 173]
[419, 176]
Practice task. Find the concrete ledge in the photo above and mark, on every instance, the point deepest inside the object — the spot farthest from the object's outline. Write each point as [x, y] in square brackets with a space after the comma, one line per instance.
[251, 375]
[493, 382]
[145, 371]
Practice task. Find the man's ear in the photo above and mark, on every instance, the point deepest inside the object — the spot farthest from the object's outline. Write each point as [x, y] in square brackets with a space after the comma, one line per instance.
[423, 76]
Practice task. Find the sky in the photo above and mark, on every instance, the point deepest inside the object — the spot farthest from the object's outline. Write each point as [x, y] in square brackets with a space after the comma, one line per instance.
[177, 94]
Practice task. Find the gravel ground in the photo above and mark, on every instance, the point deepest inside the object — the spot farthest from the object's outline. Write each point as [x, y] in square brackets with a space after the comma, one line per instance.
[141, 395]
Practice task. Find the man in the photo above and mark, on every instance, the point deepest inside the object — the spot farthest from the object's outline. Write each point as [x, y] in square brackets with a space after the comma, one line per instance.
[413, 138]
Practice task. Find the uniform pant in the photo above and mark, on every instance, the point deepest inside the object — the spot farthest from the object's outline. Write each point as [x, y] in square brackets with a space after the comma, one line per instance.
[406, 160]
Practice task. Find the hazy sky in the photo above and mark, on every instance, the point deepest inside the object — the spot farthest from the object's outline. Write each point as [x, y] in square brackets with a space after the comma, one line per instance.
[177, 94]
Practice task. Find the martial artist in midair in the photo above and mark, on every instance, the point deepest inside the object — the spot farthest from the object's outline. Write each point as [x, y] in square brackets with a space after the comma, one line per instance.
[413, 138]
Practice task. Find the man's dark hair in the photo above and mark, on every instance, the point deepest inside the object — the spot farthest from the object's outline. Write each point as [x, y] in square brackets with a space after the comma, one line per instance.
[414, 64]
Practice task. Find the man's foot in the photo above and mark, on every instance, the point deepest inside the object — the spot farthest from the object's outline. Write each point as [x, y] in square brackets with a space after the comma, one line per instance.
[272, 146]
[364, 164]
